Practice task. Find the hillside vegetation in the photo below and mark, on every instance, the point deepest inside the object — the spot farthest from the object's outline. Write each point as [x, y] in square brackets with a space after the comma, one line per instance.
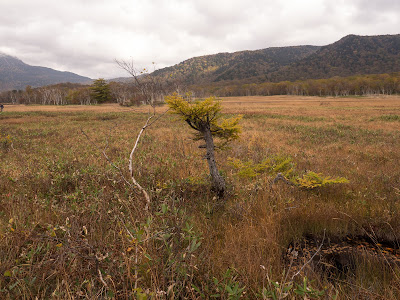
[351, 55]
[234, 66]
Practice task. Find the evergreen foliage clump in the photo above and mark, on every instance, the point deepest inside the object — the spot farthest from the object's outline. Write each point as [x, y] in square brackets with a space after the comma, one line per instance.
[272, 166]
[100, 91]
[204, 116]
[312, 180]
[286, 168]
[205, 113]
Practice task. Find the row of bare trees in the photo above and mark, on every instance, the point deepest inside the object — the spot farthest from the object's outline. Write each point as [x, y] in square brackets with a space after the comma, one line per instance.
[59, 94]
[362, 85]
[136, 92]
[147, 90]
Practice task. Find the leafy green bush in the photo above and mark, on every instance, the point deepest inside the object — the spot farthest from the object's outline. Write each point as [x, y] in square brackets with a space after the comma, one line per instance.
[277, 290]
[228, 287]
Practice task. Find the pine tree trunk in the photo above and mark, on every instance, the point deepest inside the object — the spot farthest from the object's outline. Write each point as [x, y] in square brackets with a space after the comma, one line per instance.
[218, 182]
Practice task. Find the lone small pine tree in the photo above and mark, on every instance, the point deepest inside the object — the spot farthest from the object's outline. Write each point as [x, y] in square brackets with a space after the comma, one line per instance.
[100, 91]
[204, 116]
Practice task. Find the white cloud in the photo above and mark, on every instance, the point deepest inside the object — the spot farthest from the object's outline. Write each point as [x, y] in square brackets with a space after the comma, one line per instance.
[86, 36]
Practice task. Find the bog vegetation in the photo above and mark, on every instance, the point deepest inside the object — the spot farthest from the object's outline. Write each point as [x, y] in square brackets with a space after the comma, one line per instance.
[326, 227]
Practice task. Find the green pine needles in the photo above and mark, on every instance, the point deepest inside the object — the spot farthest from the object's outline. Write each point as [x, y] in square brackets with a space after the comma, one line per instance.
[312, 180]
[283, 165]
[272, 166]
[206, 113]
[100, 91]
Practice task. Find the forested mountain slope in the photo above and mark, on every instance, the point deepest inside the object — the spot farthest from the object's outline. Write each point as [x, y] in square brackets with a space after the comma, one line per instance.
[235, 66]
[351, 55]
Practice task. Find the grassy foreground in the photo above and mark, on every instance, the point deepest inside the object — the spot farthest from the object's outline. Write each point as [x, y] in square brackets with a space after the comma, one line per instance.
[71, 228]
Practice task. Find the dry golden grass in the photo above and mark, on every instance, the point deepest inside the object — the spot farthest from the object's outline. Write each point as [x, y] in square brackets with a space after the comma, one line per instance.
[111, 107]
[63, 208]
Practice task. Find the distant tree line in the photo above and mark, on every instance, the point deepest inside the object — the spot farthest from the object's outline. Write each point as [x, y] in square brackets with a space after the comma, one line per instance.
[129, 93]
[362, 85]
[57, 94]
[125, 93]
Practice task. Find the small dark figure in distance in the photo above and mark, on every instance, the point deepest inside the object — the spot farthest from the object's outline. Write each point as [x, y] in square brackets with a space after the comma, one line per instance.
[1, 107]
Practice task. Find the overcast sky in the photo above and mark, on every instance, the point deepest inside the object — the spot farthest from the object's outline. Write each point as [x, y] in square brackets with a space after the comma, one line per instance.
[86, 36]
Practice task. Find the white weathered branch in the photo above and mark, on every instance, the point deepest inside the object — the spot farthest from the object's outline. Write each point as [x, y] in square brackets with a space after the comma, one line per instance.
[145, 194]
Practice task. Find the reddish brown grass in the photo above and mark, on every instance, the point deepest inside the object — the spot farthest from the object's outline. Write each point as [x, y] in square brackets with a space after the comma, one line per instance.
[55, 185]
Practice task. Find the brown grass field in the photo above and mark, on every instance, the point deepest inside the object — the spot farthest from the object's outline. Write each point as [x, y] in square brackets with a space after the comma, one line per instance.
[70, 228]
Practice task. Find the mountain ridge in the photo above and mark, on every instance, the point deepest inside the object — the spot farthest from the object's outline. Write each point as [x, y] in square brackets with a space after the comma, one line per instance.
[351, 55]
[235, 65]
[15, 74]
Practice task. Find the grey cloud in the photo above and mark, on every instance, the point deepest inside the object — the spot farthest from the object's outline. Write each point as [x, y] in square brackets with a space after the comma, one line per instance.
[376, 11]
[86, 36]
[378, 6]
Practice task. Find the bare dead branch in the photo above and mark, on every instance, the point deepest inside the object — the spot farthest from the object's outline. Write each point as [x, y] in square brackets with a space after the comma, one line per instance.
[312, 257]
[101, 278]
[159, 117]
[129, 67]
[145, 194]
[280, 176]
[152, 89]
